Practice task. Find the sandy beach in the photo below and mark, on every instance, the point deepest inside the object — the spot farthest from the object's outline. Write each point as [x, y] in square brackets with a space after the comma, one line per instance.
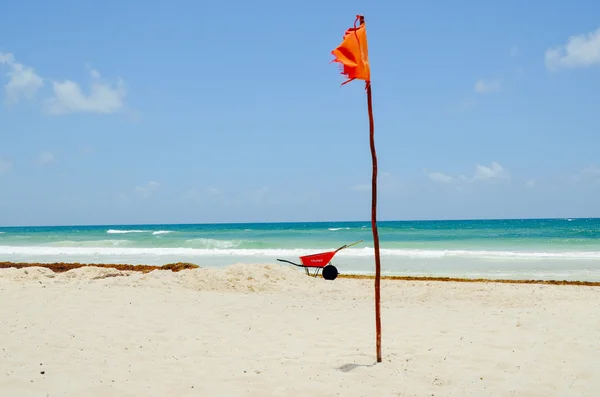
[272, 331]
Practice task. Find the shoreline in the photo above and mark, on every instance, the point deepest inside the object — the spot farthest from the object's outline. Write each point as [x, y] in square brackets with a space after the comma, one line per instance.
[60, 267]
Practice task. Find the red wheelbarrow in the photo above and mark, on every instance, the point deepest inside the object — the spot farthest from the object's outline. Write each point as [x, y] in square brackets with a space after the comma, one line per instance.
[321, 261]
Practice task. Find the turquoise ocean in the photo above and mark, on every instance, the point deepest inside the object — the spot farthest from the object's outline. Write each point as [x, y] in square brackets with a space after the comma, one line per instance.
[561, 249]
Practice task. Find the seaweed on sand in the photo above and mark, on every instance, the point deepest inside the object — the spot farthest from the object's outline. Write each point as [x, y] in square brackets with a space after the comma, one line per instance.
[60, 267]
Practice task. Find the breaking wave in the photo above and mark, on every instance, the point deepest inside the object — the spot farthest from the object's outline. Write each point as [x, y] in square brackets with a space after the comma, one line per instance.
[213, 243]
[113, 231]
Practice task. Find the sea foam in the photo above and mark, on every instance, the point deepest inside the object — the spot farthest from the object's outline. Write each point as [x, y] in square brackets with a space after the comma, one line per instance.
[213, 243]
[115, 250]
[113, 231]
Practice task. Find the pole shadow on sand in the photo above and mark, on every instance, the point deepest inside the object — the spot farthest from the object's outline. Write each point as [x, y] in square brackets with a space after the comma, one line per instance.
[352, 366]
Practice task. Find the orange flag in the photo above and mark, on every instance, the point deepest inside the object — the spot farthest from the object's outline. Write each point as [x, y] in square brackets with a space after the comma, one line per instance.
[353, 53]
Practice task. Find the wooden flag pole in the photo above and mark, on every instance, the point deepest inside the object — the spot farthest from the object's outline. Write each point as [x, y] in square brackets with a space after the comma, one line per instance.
[374, 223]
[374, 217]
[353, 55]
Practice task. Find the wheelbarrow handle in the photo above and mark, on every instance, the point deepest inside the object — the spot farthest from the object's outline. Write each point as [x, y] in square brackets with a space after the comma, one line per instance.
[348, 245]
[292, 263]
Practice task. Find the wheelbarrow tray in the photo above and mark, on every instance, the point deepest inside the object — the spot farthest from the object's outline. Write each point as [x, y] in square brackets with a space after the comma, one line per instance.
[320, 261]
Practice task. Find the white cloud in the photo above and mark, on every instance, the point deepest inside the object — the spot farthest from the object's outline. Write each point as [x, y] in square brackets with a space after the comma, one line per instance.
[579, 52]
[67, 96]
[23, 82]
[103, 97]
[496, 171]
[482, 173]
[148, 189]
[487, 86]
[46, 158]
[439, 177]
[530, 183]
[5, 165]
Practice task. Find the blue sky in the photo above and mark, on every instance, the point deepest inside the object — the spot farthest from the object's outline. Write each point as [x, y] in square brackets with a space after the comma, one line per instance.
[185, 112]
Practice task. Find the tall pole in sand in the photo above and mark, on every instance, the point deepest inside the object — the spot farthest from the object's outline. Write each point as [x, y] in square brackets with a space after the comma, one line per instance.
[374, 223]
[353, 54]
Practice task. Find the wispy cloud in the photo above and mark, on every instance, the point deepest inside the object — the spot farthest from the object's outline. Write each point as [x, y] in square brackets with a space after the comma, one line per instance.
[46, 158]
[200, 195]
[514, 51]
[103, 97]
[495, 172]
[5, 165]
[260, 196]
[586, 174]
[23, 82]
[487, 86]
[592, 170]
[147, 190]
[463, 105]
[580, 51]
[213, 190]
[440, 177]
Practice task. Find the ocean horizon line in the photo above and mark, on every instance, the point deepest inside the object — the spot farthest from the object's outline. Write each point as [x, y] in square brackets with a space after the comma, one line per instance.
[424, 220]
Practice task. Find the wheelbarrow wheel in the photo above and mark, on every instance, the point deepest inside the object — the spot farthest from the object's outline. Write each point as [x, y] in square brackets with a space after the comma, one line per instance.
[330, 272]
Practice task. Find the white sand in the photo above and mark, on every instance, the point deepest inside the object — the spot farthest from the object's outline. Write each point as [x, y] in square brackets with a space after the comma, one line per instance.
[271, 331]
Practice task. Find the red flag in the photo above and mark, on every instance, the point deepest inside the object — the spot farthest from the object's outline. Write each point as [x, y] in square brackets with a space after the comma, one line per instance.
[353, 53]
